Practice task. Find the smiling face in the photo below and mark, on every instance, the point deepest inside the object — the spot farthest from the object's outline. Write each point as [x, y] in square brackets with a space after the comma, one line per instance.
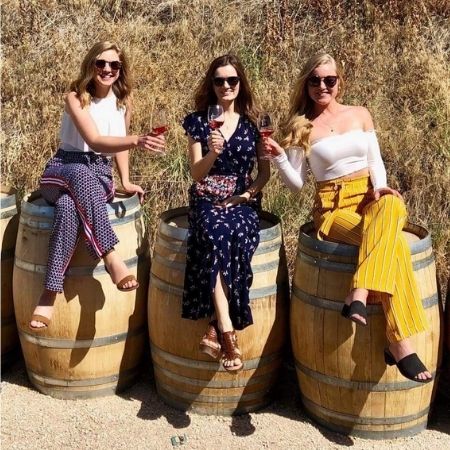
[323, 94]
[106, 76]
[226, 93]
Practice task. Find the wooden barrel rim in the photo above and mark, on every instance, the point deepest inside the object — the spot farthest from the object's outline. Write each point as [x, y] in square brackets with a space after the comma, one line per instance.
[49, 342]
[7, 201]
[79, 271]
[356, 384]
[122, 209]
[82, 382]
[385, 434]
[336, 304]
[180, 405]
[333, 248]
[181, 233]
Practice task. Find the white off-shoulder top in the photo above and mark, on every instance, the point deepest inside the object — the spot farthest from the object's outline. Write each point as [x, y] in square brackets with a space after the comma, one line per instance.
[109, 119]
[333, 157]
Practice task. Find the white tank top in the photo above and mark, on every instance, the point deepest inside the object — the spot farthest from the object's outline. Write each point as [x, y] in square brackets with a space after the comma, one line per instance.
[110, 121]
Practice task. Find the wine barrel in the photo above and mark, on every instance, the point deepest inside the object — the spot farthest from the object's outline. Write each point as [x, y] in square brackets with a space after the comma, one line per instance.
[95, 341]
[444, 383]
[9, 222]
[344, 381]
[187, 379]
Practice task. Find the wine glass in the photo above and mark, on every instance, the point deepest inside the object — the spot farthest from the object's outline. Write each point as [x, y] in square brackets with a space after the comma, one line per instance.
[159, 122]
[265, 128]
[215, 116]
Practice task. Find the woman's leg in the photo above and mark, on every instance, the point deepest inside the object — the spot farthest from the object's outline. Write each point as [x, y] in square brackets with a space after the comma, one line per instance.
[224, 322]
[384, 265]
[62, 243]
[89, 197]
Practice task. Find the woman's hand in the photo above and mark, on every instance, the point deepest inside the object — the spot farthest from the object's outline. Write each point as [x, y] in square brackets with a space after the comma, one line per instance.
[386, 191]
[234, 200]
[215, 142]
[131, 188]
[155, 143]
[272, 147]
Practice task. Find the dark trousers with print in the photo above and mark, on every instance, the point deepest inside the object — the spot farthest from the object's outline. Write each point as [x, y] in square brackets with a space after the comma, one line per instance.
[79, 185]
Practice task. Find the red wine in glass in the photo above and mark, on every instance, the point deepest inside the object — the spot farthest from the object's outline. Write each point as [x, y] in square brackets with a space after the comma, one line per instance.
[160, 130]
[266, 132]
[215, 116]
[265, 129]
[159, 122]
[216, 123]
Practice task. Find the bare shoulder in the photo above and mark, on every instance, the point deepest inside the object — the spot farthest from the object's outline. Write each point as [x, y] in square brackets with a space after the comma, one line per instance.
[72, 101]
[361, 115]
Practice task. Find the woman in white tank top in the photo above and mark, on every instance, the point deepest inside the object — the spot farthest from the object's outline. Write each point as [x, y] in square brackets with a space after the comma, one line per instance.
[353, 203]
[78, 179]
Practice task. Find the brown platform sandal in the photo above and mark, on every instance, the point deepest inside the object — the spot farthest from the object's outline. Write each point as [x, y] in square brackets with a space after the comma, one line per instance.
[38, 318]
[210, 341]
[230, 351]
[120, 285]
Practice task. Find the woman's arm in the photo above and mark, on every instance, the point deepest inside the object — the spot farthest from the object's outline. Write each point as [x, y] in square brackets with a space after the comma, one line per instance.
[201, 165]
[122, 163]
[375, 163]
[291, 167]
[260, 181]
[106, 144]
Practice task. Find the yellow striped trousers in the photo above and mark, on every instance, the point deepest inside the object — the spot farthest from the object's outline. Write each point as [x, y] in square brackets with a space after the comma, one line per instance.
[345, 211]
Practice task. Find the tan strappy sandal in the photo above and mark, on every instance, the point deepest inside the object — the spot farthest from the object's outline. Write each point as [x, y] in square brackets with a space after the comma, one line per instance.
[39, 318]
[230, 351]
[210, 341]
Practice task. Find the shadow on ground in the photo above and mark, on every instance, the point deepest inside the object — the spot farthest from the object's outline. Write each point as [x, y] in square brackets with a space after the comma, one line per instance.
[287, 403]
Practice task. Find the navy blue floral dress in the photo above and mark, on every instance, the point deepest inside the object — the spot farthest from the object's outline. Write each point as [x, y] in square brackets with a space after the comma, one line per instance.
[221, 239]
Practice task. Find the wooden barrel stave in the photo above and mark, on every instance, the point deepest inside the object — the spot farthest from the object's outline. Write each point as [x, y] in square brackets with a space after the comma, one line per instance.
[188, 379]
[9, 221]
[97, 334]
[348, 387]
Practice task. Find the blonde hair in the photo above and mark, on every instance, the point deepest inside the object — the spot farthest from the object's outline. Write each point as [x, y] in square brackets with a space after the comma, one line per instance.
[84, 85]
[298, 131]
[297, 127]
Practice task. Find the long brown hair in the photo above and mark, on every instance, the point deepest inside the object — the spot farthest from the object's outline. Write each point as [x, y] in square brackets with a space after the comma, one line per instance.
[205, 96]
[84, 85]
[297, 126]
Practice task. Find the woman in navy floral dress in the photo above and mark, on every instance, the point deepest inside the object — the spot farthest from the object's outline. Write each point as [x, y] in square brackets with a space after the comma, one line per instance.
[224, 205]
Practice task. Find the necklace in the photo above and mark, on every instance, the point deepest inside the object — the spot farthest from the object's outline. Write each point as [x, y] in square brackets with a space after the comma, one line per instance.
[329, 126]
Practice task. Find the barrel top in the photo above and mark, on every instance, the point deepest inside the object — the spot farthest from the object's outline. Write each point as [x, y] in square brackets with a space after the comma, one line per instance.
[418, 239]
[34, 204]
[174, 223]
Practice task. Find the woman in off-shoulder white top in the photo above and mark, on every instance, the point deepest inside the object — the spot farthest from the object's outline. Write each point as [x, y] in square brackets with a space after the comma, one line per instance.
[353, 203]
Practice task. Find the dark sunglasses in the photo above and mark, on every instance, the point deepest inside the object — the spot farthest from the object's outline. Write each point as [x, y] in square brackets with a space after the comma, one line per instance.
[330, 81]
[101, 64]
[232, 81]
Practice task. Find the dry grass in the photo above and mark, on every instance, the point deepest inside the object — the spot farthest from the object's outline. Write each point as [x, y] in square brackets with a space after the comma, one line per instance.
[396, 56]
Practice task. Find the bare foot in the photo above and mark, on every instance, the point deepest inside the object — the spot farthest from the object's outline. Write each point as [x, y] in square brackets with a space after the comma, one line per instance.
[361, 295]
[44, 308]
[403, 348]
[118, 270]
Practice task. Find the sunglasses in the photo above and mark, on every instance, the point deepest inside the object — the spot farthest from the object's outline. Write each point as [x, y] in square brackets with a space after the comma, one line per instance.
[101, 64]
[232, 81]
[330, 81]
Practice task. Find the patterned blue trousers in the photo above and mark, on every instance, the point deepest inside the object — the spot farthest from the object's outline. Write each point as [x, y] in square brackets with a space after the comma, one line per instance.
[79, 185]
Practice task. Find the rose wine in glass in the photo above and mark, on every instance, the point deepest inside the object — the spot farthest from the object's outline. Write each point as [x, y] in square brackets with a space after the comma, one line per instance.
[215, 116]
[265, 129]
[159, 122]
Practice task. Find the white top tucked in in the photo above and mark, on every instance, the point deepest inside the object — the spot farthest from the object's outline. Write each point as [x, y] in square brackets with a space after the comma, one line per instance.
[110, 121]
[333, 157]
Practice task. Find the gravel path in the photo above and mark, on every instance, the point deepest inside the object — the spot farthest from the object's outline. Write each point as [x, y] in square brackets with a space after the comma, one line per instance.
[137, 419]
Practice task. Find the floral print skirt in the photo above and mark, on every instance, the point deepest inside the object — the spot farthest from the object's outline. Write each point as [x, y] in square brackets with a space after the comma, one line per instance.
[220, 240]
